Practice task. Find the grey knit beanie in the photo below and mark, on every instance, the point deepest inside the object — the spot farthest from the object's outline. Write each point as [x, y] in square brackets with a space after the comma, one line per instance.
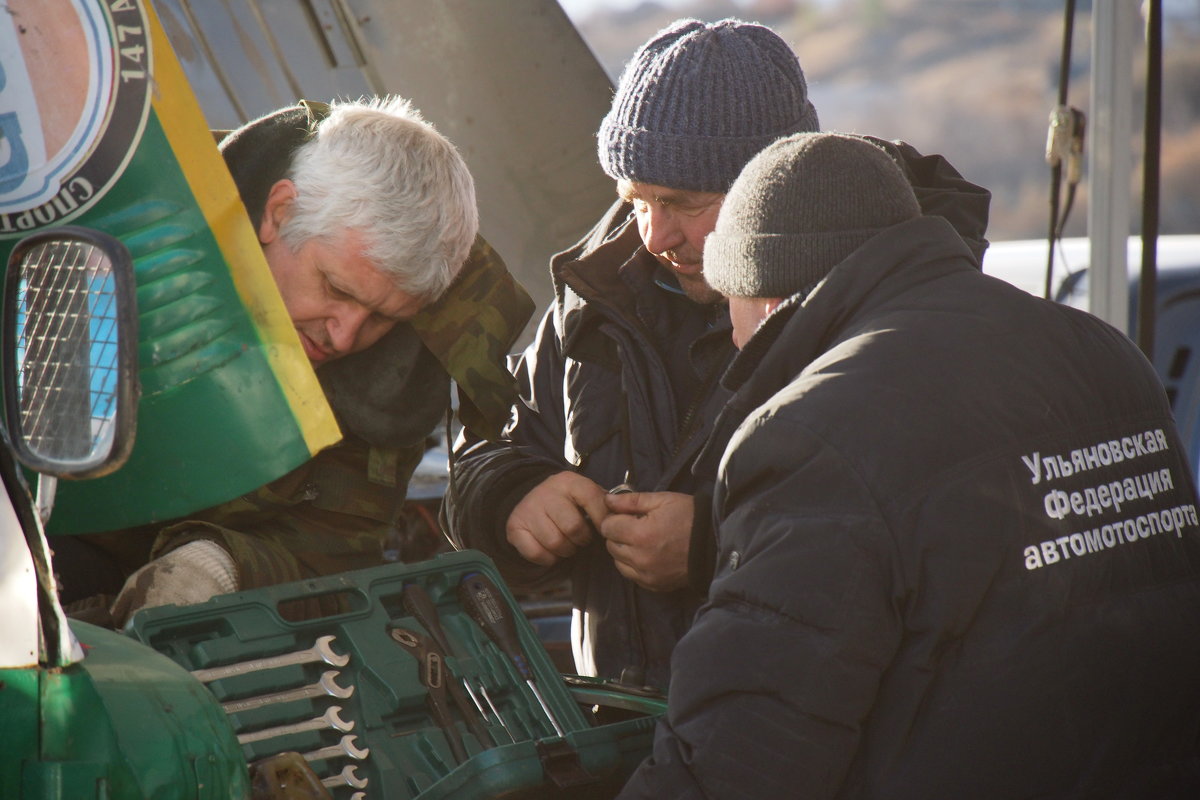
[798, 209]
[698, 100]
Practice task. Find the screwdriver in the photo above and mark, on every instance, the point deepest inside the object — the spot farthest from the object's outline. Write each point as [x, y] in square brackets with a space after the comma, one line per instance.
[484, 604]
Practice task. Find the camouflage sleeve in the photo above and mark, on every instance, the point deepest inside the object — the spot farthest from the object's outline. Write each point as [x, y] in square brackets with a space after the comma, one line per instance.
[471, 329]
[330, 515]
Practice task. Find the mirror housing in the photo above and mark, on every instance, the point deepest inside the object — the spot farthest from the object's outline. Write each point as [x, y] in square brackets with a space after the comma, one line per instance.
[70, 339]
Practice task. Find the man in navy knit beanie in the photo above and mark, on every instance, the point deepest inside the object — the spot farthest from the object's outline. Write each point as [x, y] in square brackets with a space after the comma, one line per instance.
[627, 401]
[594, 481]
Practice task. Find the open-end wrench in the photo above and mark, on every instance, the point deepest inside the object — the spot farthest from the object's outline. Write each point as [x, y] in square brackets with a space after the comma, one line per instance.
[330, 719]
[321, 651]
[347, 777]
[327, 686]
[346, 748]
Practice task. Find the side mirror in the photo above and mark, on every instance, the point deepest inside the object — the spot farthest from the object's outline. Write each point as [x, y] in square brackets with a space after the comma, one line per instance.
[70, 352]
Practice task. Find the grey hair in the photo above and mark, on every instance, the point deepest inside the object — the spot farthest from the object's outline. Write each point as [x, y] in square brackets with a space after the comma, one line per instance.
[377, 167]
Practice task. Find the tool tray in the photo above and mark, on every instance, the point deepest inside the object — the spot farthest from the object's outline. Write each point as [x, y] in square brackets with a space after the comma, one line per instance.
[506, 744]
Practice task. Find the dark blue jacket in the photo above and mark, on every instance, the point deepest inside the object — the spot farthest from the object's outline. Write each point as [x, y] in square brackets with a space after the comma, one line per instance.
[959, 554]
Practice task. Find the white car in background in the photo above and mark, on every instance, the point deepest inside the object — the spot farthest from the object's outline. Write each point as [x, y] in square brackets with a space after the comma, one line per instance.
[1177, 330]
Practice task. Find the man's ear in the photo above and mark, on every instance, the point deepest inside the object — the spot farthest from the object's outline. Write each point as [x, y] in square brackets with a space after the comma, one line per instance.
[276, 210]
[770, 304]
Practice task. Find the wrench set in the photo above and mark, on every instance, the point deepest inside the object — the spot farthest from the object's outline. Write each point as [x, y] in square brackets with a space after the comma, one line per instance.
[429, 684]
[229, 680]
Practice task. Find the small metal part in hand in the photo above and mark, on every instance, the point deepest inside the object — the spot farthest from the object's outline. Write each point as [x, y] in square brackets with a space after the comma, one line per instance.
[625, 486]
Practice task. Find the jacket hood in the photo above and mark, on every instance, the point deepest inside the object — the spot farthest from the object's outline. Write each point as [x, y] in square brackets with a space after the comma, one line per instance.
[942, 192]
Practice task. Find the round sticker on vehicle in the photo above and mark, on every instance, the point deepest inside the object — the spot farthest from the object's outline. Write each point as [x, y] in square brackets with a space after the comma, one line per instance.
[74, 98]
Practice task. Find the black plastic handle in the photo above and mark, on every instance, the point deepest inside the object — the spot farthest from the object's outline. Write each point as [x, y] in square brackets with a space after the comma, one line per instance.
[484, 603]
[420, 605]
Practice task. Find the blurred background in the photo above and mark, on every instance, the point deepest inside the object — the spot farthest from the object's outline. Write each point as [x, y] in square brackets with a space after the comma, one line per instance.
[522, 85]
[974, 80]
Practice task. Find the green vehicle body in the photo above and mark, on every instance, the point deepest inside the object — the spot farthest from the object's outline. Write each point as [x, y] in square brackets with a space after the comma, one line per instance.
[219, 358]
[92, 713]
[125, 722]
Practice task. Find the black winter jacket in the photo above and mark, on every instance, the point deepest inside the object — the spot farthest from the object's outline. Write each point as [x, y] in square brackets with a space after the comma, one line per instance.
[621, 384]
[959, 554]
[623, 381]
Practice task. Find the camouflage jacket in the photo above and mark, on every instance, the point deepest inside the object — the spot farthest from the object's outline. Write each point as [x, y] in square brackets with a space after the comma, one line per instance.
[334, 512]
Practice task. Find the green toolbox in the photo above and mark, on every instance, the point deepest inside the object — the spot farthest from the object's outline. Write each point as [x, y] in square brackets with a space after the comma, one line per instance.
[406, 681]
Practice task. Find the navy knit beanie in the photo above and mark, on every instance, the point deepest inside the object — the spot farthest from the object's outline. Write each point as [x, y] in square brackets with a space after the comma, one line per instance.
[799, 208]
[698, 101]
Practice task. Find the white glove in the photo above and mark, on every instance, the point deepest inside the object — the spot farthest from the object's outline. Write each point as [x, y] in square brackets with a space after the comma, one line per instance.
[193, 573]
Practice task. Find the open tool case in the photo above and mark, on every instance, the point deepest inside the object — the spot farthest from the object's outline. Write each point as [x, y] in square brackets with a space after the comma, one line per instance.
[398, 691]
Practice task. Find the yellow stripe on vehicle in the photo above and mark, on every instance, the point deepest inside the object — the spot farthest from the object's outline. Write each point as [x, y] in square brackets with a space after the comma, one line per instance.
[216, 195]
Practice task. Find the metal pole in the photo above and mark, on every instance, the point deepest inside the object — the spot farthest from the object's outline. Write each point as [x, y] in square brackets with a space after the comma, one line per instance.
[1114, 25]
[1152, 135]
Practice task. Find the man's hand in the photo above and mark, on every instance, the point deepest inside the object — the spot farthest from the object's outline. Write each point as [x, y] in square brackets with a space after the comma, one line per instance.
[648, 535]
[556, 518]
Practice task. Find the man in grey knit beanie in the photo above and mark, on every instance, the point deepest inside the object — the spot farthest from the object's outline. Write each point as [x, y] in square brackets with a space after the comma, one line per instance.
[799, 208]
[908, 598]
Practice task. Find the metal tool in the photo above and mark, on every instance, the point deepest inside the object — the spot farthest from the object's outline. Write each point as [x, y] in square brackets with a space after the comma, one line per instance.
[483, 690]
[330, 719]
[326, 686]
[482, 713]
[474, 698]
[420, 605]
[347, 747]
[484, 603]
[347, 777]
[321, 651]
[433, 677]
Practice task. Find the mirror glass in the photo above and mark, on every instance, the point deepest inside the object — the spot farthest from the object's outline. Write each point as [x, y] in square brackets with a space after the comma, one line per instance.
[67, 352]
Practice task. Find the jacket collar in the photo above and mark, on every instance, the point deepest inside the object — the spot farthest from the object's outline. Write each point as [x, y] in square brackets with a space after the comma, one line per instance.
[871, 276]
[616, 280]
